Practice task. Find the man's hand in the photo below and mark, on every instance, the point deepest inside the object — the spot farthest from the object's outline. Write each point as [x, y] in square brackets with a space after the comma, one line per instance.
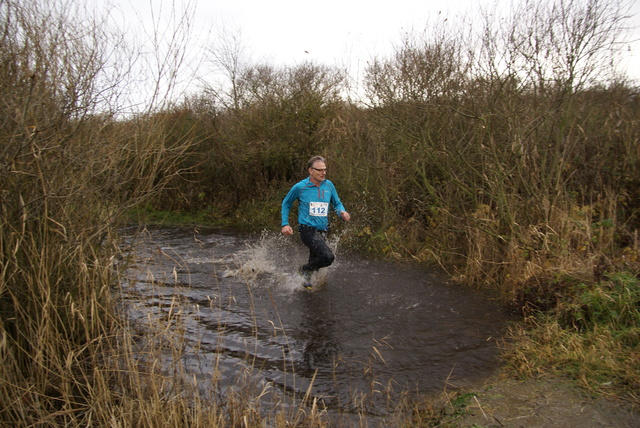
[286, 230]
[345, 216]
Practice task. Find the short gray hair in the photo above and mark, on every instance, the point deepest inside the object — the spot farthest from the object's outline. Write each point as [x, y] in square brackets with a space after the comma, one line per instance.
[314, 160]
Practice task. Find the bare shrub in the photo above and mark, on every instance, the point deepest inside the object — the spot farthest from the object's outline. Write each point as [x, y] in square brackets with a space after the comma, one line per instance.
[484, 138]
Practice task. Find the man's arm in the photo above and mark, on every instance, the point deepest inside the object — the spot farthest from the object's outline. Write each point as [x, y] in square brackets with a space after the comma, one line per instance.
[287, 202]
[337, 205]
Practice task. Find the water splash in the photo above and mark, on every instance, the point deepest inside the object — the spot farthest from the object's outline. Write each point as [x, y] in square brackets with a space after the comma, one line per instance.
[274, 260]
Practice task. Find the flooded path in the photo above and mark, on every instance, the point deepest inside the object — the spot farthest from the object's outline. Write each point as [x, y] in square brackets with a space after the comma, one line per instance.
[370, 330]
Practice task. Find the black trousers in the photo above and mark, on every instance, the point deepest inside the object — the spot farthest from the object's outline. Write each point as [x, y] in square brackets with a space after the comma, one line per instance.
[320, 255]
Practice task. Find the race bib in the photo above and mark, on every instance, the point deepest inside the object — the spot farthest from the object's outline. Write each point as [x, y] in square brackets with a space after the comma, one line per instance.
[318, 209]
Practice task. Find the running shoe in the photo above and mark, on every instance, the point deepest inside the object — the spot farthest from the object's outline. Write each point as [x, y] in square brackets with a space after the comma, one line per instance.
[306, 276]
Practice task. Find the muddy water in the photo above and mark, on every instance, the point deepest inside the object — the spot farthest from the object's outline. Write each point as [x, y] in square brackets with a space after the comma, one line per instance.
[370, 329]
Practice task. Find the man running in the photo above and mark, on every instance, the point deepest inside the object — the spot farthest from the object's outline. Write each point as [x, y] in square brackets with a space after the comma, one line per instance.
[315, 195]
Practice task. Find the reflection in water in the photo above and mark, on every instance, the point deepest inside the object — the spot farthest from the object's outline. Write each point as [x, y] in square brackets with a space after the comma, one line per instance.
[317, 330]
[374, 329]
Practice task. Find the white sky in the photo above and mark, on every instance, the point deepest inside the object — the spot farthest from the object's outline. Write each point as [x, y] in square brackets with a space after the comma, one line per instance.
[327, 31]
[345, 33]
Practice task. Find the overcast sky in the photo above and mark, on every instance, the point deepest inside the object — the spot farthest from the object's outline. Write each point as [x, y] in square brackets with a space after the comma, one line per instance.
[346, 33]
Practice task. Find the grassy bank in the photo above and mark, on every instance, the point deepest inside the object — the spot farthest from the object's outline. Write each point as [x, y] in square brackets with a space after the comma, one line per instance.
[593, 338]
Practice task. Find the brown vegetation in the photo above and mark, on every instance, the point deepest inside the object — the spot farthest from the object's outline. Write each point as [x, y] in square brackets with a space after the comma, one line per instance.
[510, 160]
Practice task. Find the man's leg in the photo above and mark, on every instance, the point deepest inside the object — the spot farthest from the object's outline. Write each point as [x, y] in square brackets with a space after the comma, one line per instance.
[320, 255]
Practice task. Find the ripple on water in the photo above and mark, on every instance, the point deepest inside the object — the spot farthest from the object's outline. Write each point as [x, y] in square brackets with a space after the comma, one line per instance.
[244, 314]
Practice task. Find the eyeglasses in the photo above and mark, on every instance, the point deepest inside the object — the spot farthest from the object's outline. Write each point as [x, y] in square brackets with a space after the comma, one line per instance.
[320, 169]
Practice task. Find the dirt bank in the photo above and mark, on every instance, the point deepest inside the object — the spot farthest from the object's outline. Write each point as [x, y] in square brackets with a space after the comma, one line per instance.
[546, 402]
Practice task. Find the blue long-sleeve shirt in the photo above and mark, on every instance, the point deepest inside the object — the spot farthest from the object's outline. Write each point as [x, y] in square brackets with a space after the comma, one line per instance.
[314, 202]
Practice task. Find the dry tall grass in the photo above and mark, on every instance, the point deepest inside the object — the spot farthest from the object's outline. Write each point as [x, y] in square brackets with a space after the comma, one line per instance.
[68, 170]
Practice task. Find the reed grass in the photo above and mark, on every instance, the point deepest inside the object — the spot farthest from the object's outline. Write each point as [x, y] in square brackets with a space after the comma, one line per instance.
[594, 338]
[67, 175]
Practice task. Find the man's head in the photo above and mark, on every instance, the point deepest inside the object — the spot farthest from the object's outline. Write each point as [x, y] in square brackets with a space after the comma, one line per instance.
[317, 169]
